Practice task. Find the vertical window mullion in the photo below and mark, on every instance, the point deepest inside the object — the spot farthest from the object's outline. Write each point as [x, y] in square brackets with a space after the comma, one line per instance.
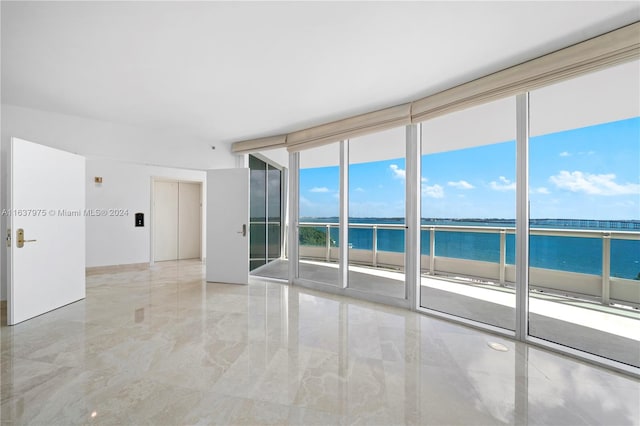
[294, 213]
[266, 213]
[413, 220]
[344, 213]
[522, 216]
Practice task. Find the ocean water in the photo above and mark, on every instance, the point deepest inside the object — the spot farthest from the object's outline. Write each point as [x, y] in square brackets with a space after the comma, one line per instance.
[572, 254]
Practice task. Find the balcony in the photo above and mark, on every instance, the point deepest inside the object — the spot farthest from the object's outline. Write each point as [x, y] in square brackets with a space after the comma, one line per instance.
[604, 287]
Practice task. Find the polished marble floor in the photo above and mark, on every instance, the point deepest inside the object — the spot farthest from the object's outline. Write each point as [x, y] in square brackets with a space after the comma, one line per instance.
[160, 346]
[607, 331]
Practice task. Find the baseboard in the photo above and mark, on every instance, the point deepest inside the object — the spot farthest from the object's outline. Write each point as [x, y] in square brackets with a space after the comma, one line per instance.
[97, 270]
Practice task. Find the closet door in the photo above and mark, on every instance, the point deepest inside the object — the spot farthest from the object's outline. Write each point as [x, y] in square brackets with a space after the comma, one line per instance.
[165, 221]
[189, 220]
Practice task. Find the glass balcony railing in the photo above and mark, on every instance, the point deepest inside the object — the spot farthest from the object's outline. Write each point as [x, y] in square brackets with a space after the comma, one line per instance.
[590, 263]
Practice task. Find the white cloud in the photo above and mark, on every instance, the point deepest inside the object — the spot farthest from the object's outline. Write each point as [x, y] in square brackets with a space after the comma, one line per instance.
[398, 173]
[504, 184]
[358, 189]
[461, 184]
[319, 189]
[541, 190]
[306, 202]
[591, 184]
[433, 191]
[565, 154]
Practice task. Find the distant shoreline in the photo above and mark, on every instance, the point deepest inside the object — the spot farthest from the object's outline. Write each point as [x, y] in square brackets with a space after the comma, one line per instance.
[603, 224]
[473, 219]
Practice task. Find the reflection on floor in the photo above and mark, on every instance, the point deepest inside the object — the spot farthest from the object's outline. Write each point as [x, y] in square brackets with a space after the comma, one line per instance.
[383, 282]
[162, 347]
[590, 327]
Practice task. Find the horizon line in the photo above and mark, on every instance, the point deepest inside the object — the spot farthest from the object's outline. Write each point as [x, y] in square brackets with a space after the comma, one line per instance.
[473, 218]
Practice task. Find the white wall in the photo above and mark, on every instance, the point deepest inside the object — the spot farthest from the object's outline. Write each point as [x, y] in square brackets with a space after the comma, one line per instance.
[114, 240]
[112, 151]
[114, 141]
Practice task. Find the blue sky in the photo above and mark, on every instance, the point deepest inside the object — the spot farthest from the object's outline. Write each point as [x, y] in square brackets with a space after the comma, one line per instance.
[587, 173]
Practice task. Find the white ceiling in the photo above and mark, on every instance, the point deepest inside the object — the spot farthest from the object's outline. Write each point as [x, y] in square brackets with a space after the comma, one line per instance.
[225, 71]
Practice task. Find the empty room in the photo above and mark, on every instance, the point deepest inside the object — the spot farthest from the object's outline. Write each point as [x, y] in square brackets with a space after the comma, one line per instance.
[320, 213]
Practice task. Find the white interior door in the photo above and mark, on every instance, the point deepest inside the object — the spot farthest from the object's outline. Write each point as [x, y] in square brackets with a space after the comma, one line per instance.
[46, 202]
[228, 226]
[189, 220]
[165, 221]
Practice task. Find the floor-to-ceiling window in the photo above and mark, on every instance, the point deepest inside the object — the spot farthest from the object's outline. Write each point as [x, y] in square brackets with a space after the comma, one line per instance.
[377, 187]
[319, 212]
[578, 172]
[584, 171]
[374, 166]
[468, 208]
[265, 205]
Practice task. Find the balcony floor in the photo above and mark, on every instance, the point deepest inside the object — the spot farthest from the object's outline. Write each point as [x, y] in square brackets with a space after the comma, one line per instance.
[602, 330]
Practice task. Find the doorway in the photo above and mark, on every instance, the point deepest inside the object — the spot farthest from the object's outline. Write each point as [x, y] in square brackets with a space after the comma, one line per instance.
[177, 220]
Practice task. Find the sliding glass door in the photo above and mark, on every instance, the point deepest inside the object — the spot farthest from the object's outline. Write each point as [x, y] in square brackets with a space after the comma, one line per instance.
[585, 213]
[377, 187]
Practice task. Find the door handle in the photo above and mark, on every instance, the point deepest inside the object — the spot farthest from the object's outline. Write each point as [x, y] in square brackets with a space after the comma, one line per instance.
[20, 238]
[244, 230]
